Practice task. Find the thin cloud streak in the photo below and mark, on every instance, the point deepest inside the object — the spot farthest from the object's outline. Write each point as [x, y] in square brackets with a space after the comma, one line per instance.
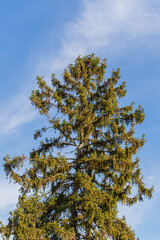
[16, 112]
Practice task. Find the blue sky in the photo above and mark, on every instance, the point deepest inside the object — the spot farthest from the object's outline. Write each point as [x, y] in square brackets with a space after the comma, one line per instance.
[41, 37]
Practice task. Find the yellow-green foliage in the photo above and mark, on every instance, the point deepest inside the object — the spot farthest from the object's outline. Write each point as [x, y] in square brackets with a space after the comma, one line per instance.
[76, 196]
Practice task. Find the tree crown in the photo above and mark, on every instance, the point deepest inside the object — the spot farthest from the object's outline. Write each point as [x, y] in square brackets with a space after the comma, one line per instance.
[79, 193]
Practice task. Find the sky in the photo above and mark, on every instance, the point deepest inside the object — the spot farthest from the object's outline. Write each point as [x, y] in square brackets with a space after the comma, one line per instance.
[42, 37]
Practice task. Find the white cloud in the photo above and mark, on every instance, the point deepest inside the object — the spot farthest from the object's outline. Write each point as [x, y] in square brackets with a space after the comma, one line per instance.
[103, 23]
[106, 26]
[8, 199]
[14, 113]
[9, 194]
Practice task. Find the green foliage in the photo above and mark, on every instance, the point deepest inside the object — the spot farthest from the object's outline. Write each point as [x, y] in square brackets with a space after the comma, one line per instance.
[24, 221]
[76, 196]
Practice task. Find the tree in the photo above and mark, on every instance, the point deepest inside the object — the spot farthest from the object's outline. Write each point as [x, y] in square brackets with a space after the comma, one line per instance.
[77, 193]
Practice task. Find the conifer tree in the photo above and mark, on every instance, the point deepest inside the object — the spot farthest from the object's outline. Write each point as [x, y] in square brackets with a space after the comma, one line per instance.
[75, 195]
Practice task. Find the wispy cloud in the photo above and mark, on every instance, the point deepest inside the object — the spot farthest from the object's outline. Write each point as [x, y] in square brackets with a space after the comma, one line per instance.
[14, 113]
[9, 194]
[113, 23]
[108, 26]
[8, 199]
